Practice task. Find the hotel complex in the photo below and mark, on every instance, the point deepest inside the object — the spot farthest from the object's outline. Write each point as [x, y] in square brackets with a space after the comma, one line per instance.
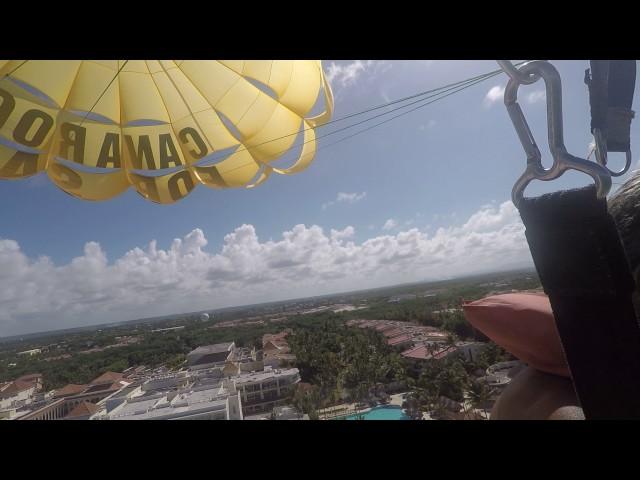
[418, 342]
[218, 382]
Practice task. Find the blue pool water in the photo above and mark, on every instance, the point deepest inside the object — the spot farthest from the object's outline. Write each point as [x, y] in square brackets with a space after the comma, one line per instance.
[390, 412]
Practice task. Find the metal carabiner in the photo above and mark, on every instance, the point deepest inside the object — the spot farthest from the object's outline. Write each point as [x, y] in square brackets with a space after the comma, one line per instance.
[516, 74]
[601, 154]
[562, 160]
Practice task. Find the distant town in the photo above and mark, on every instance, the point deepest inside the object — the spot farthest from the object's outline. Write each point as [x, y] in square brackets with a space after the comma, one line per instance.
[400, 353]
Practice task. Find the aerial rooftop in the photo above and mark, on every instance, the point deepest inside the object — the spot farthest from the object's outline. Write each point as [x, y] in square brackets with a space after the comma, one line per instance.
[208, 349]
[211, 400]
[265, 375]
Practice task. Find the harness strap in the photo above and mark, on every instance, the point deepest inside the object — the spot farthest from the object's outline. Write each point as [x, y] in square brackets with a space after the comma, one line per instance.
[611, 86]
[584, 270]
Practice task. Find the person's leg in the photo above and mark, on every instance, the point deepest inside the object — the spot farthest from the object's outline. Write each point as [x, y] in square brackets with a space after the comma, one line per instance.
[534, 395]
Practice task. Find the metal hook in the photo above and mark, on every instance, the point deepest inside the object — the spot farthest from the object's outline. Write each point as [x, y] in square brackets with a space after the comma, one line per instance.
[562, 160]
[601, 154]
[516, 74]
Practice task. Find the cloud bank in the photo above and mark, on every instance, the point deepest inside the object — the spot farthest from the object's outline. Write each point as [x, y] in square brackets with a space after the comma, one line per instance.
[39, 295]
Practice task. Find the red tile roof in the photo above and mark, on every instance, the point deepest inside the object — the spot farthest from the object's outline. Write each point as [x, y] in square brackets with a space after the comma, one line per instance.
[108, 377]
[32, 377]
[70, 389]
[368, 323]
[399, 339]
[383, 327]
[277, 337]
[83, 409]
[394, 332]
[418, 352]
[16, 387]
[270, 345]
[444, 352]
[421, 352]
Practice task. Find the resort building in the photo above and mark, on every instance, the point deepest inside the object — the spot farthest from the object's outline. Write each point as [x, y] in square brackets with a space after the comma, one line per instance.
[65, 400]
[221, 382]
[280, 413]
[402, 335]
[217, 401]
[263, 391]
[499, 375]
[18, 394]
[497, 378]
[210, 355]
[218, 388]
[400, 341]
[384, 326]
[169, 329]
[245, 360]
[439, 350]
[82, 411]
[276, 350]
[471, 350]
[32, 352]
[394, 331]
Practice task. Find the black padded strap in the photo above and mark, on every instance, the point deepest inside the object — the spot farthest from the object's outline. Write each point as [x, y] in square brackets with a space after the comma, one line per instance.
[622, 83]
[611, 86]
[597, 79]
[583, 268]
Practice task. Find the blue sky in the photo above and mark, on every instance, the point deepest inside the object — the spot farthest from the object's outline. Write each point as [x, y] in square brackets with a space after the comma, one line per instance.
[425, 196]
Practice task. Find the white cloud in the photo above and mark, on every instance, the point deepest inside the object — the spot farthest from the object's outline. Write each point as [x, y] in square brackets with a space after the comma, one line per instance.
[345, 198]
[350, 197]
[389, 224]
[39, 295]
[348, 74]
[537, 96]
[493, 95]
[430, 124]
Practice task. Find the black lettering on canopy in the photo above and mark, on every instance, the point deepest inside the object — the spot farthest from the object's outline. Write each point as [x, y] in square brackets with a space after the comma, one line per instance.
[110, 151]
[211, 175]
[183, 177]
[21, 164]
[7, 106]
[168, 151]
[196, 139]
[73, 136]
[144, 152]
[27, 121]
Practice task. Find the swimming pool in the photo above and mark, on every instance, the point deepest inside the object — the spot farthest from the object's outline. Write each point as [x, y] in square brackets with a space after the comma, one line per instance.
[386, 412]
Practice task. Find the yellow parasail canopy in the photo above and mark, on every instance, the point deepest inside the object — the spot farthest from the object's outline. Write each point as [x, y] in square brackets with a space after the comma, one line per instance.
[98, 127]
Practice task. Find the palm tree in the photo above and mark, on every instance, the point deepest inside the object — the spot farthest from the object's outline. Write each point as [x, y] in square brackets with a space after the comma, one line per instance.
[412, 405]
[479, 394]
